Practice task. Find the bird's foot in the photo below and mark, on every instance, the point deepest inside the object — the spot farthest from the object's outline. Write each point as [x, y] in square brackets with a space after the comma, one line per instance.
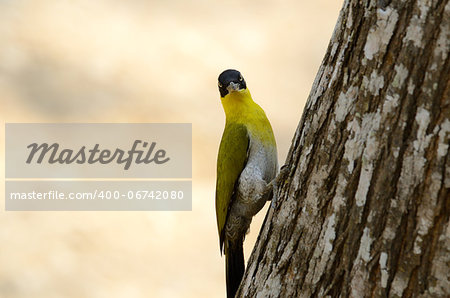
[274, 185]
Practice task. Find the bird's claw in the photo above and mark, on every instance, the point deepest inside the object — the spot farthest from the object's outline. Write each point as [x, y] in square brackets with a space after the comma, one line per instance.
[276, 182]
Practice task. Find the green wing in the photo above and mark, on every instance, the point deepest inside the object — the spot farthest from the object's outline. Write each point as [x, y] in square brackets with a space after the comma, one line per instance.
[230, 163]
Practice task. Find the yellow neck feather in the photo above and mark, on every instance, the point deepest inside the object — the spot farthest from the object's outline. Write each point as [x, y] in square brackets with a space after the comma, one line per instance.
[240, 108]
[239, 105]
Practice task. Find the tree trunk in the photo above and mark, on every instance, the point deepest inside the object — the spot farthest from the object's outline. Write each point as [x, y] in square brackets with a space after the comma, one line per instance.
[364, 210]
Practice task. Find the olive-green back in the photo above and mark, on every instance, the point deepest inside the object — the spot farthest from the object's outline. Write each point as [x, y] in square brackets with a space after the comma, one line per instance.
[230, 163]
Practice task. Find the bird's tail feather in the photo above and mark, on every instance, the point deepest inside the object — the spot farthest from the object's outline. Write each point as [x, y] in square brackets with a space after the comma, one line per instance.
[234, 267]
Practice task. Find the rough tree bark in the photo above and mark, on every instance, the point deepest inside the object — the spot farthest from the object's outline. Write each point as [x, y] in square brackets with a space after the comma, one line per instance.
[364, 210]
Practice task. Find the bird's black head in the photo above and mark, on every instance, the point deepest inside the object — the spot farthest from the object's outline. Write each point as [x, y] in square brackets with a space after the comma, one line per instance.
[231, 80]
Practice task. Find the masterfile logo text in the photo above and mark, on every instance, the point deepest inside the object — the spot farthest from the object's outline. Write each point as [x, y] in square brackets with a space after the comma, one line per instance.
[94, 155]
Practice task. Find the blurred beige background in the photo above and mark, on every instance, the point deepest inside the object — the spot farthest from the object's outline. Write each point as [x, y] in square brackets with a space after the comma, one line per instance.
[144, 61]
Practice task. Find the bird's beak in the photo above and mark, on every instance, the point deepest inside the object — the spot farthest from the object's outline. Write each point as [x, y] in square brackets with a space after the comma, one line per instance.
[233, 87]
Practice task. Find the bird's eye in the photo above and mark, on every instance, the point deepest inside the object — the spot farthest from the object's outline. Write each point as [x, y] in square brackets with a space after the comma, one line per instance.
[241, 78]
[220, 85]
